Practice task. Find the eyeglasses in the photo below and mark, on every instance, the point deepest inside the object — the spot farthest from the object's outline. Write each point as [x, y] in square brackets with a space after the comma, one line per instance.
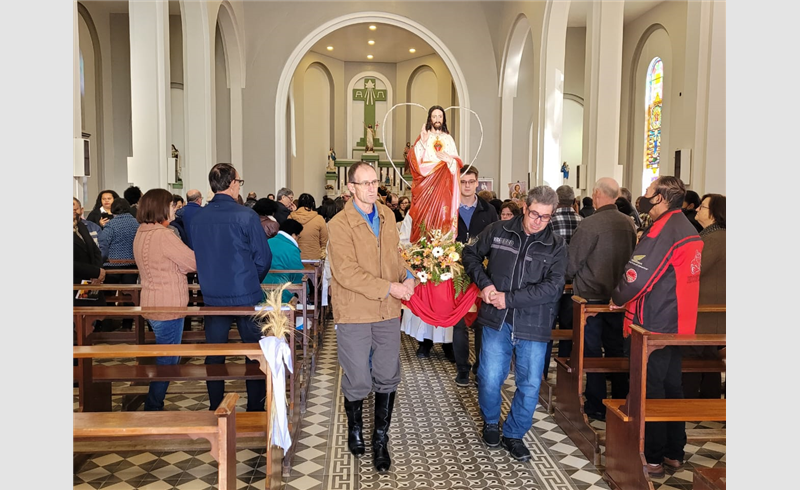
[702, 207]
[469, 182]
[240, 181]
[536, 216]
[368, 183]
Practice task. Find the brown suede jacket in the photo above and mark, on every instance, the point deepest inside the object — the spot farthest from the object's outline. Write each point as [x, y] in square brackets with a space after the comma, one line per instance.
[363, 266]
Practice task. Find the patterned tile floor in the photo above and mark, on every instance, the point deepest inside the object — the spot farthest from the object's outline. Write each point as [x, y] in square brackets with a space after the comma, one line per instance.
[434, 443]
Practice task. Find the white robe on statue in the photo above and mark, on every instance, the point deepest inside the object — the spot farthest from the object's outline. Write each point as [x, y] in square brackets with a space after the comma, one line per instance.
[410, 323]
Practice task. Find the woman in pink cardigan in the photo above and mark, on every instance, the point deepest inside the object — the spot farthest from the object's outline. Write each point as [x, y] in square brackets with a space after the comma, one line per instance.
[163, 261]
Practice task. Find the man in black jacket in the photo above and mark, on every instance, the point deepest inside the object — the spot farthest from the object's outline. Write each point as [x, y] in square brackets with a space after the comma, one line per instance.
[285, 204]
[474, 214]
[520, 287]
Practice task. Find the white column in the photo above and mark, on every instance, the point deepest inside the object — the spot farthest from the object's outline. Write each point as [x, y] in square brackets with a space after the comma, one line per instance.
[150, 93]
[77, 183]
[705, 93]
[236, 128]
[603, 87]
[199, 29]
[551, 96]
[506, 140]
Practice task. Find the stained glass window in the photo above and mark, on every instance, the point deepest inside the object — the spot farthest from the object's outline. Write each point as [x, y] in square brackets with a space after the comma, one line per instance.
[654, 92]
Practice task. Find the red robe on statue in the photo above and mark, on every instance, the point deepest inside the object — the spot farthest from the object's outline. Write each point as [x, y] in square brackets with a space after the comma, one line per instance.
[435, 191]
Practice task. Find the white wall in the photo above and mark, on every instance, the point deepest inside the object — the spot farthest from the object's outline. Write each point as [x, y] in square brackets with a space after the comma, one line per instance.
[291, 22]
[525, 106]
[309, 173]
[89, 123]
[658, 32]
[572, 143]
[223, 99]
[575, 61]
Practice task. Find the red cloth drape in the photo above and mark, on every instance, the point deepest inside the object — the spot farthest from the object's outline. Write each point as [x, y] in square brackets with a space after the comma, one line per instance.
[470, 317]
[438, 306]
[432, 197]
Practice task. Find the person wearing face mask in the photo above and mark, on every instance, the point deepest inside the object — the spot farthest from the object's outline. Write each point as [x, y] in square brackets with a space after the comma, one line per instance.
[659, 291]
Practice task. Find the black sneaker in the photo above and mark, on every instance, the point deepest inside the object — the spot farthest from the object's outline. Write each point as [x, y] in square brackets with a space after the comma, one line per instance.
[491, 435]
[462, 379]
[517, 449]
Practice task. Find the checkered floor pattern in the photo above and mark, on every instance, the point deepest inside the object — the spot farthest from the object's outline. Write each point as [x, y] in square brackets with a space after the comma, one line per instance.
[434, 443]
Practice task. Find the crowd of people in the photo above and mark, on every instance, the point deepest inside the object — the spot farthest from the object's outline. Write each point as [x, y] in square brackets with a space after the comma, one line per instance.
[653, 263]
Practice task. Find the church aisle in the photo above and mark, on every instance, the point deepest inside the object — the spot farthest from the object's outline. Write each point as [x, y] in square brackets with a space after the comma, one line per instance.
[434, 443]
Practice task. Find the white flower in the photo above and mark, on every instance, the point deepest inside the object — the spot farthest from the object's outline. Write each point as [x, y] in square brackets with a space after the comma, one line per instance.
[454, 256]
[446, 276]
[423, 276]
[438, 252]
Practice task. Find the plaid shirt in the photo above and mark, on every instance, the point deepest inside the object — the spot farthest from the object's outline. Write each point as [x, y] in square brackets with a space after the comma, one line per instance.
[564, 221]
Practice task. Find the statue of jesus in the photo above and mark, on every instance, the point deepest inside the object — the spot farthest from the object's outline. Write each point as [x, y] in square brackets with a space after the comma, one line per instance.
[435, 168]
[369, 147]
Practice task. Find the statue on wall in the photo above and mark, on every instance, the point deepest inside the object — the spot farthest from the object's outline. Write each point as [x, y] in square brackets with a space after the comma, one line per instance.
[565, 170]
[331, 161]
[177, 156]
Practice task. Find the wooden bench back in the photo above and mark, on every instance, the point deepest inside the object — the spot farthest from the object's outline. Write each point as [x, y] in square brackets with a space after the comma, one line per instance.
[644, 343]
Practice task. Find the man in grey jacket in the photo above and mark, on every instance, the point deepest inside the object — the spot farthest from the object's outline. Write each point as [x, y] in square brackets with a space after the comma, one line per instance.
[598, 252]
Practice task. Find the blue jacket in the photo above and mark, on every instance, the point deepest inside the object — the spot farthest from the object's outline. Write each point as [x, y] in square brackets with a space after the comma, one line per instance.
[232, 253]
[285, 255]
[183, 219]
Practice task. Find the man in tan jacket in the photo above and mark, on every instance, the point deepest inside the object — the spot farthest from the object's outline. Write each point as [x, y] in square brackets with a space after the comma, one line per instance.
[369, 278]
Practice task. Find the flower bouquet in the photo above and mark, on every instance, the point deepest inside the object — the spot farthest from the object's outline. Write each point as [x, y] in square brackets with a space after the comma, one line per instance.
[445, 293]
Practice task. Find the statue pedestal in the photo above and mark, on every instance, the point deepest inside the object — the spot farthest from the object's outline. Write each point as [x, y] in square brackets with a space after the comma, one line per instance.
[372, 158]
[330, 180]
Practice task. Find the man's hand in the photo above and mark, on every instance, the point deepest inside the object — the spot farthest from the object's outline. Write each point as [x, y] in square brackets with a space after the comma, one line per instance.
[100, 278]
[498, 300]
[423, 135]
[612, 306]
[400, 291]
[487, 294]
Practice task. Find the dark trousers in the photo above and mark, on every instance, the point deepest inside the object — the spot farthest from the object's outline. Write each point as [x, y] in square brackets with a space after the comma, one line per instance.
[127, 323]
[461, 346]
[564, 321]
[701, 385]
[603, 334]
[217, 329]
[664, 439]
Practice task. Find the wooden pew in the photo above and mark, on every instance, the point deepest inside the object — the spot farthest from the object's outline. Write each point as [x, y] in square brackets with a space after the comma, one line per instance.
[100, 399]
[247, 425]
[569, 401]
[219, 428]
[709, 479]
[625, 467]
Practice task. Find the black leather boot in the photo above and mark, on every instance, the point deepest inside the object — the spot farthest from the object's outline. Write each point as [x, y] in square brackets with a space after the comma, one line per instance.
[384, 404]
[355, 426]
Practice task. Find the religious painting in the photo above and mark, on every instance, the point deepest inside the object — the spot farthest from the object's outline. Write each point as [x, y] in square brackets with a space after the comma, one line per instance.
[517, 190]
[485, 184]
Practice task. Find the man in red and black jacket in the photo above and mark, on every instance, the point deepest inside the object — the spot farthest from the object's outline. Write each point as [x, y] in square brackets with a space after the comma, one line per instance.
[659, 291]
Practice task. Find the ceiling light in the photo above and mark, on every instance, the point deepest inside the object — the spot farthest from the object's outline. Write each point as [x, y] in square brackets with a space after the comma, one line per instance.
[412, 50]
[370, 42]
[330, 48]
[369, 56]
[372, 28]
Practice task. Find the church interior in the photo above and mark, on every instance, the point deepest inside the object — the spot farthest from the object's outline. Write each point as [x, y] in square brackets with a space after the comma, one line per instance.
[291, 93]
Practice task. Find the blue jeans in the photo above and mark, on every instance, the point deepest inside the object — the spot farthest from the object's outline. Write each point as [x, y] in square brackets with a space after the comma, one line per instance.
[167, 332]
[217, 329]
[496, 351]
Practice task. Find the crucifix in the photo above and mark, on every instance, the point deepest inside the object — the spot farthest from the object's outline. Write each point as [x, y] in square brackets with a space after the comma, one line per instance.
[369, 94]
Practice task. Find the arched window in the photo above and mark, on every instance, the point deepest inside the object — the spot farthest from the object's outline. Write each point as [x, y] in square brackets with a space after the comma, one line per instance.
[654, 92]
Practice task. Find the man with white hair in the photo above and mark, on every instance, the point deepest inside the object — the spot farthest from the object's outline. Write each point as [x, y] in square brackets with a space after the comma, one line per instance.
[598, 252]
